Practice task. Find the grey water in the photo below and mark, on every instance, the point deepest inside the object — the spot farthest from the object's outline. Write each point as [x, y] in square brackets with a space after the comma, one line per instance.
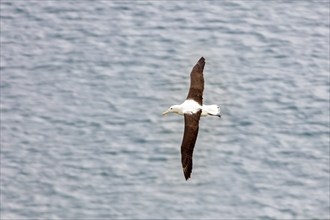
[84, 83]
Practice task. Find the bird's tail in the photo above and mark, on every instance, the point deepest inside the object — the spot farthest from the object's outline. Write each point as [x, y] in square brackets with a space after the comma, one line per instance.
[213, 110]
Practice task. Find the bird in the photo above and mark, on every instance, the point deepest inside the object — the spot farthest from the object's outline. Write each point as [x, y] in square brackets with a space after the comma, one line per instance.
[192, 109]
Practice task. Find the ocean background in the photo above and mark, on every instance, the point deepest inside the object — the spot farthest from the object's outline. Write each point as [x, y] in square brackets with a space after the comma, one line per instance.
[84, 83]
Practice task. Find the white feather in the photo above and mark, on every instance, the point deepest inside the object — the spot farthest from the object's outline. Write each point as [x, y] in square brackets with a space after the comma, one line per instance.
[191, 107]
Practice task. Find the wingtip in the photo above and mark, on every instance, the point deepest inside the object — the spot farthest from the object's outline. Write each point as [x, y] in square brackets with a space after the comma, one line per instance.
[186, 177]
[201, 62]
[187, 170]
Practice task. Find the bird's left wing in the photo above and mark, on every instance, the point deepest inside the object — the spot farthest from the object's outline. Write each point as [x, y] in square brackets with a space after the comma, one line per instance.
[191, 126]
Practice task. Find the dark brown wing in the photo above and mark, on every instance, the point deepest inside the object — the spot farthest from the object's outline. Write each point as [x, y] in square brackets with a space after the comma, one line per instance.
[191, 125]
[197, 82]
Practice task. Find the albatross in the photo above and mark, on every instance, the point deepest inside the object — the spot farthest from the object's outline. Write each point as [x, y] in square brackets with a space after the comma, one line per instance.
[192, 109]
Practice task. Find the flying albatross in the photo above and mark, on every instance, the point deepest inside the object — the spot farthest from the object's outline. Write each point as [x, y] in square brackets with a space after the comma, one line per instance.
[192, 109]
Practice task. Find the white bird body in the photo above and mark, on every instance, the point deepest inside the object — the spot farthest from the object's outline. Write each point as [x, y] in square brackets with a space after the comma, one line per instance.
[191, 107]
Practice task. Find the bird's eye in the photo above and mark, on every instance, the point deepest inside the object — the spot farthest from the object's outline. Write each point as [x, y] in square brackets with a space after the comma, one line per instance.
[171, 108]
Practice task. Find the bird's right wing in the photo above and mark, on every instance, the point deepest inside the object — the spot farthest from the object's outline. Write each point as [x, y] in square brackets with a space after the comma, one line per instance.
[197, 82]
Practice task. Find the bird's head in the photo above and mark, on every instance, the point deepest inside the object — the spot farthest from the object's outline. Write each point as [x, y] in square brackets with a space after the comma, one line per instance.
[173, 109]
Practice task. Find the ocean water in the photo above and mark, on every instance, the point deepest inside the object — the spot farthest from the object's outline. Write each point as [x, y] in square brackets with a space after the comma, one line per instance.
[84, 83]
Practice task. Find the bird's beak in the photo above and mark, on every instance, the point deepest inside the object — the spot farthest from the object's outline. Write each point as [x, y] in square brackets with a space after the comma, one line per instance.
[164, 113]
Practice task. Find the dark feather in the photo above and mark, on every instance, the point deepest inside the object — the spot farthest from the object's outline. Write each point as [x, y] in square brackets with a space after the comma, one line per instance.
[197, 82]
[188, 142]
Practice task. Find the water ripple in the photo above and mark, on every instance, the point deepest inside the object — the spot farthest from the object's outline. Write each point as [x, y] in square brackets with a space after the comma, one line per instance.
[82, 91]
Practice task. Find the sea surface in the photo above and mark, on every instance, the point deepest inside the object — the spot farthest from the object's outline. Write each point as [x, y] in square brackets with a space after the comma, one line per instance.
[84, 83]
